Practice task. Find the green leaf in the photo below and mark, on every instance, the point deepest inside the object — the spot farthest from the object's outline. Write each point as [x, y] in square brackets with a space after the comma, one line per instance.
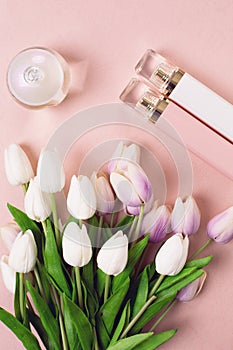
[91, 302]
[103, 336]
[125, 222]
[48, 321]
[44, 278]
[22, 333]
[53, 261]
[171, 280]
[37, 324]
[100, 276]
[183, 283]
[130, 342]
[121, 323]
[199, 263]
[155, 340]
[71, 333]
[81, 323]
[142, 293]
[111, 308]
[88, 275]
[152, 310]
[25, 223]
[134, 254]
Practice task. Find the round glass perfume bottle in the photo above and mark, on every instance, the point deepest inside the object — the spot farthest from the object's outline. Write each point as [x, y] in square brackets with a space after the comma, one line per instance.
[38, 77]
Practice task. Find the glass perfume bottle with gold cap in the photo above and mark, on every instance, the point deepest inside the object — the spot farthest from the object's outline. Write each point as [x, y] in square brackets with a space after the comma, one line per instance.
[197, 137]
[189, 93]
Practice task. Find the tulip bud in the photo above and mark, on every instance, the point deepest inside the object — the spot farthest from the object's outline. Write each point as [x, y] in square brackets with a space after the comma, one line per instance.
[132, 187]
[172, 256]
[135, 211]
[9, 233]
[17, 165]
[192, 290]
[8, 274]
[50, 172]
[220, 227]
[157, 223]
[185, 216]
[123, 155]
[113, 256]
[81, 200]
[23, 254]
[104, 193]
[76, 245]
[37, 204]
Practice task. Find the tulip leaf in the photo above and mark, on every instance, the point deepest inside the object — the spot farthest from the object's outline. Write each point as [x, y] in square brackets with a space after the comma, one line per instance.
[131, 342]
[134, 254]
[171, 280]
[110, 309]
[88, 275]
[155, 340]
[16, 298]
[100, 276]
[49, 323]
[123, 320]
[23, 334]
[183, 283]
[37, 324]
[81, 323]
[199, 263]
[25, 223]
[71, 332]
[152, 311]
[104, 338]
[141, 293]
[125, 222]
[53, 261]
[91, 302]
[44, 279]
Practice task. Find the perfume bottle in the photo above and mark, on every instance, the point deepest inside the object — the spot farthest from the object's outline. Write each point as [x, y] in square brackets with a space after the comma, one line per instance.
[189, 93]
[197, 137]
[38, 77]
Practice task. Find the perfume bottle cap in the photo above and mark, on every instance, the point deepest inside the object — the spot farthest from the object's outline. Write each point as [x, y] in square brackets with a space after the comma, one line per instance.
[159, 71]
[139, 96]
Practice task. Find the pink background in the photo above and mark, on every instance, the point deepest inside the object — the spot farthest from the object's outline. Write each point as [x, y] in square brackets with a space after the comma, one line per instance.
[102, 41]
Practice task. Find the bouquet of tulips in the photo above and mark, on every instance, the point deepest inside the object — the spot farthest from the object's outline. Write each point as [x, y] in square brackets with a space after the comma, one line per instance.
[83, 284]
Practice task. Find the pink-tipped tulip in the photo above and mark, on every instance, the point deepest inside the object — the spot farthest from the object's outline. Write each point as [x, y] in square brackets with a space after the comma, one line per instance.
[123, 155]
[104, 193]
[132, 186]
[172, 256]
[220, 227]
[185, 216]
[192, 290]
[157, 223]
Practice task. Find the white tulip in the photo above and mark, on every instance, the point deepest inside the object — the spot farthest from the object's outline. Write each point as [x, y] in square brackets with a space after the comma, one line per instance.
[17, 165]
[37, 204]
[122, 155]
[50, 172]
[172, 256]
[23, 254]
[81, 200]
[113, 256]
[9, 233]
[104, 193]
[76, 245]
[8, 274]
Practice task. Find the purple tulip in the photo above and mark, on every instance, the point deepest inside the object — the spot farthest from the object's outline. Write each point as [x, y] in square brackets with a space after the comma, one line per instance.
[189, 292]
[220, 227]
[132, 186]
[157, 223]
[185, 216]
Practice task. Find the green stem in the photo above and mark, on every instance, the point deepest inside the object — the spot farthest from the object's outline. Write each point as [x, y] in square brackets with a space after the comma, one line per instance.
[132, 228]
[25, 188]
[79, 286]
[197, 252]
[38, 280]
[107, 286]
[156, 286]
[96, 346]
[136, 318]
[139, 224]
[43, 223]
[63, 333]
[163, 315]
[80, 222]
[21, 295]
[112, 219]
[101, 220]
[55, 219]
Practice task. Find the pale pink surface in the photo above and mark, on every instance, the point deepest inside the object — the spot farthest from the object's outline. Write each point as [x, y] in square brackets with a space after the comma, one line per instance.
[103, 41]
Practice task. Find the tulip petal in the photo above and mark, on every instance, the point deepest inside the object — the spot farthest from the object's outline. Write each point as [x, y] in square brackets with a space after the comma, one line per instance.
[220, 227]
[125, 190]
[104, 194]
[140, 181]
[8, 274]
[192, 217]
[177, 216]
[9, 233]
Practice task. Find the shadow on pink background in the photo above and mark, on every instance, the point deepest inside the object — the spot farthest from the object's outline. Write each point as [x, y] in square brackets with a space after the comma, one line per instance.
[102, 41]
